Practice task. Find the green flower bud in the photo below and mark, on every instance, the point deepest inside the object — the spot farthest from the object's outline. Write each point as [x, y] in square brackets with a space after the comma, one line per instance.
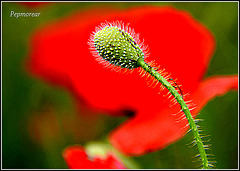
[117, 46]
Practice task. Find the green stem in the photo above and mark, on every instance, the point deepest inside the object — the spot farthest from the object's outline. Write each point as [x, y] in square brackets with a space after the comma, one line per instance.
[183, 105]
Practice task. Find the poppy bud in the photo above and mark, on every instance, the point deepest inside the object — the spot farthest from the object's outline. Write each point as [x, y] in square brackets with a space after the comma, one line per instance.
[117, 46]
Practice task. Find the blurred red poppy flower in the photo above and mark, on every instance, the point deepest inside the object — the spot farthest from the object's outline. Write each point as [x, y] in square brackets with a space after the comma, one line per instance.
[77, 158]
[60, 54]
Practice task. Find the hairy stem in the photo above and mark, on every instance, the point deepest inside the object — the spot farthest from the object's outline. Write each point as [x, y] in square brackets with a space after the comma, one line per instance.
[183, 105]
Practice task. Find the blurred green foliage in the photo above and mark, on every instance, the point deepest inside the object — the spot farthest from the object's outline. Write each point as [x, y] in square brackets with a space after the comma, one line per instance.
[35, 114]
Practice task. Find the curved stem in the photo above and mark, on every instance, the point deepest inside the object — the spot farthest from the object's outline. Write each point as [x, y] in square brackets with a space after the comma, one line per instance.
[183, 105]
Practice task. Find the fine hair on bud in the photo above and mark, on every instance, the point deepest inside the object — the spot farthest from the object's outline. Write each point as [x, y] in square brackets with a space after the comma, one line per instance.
[117, 45]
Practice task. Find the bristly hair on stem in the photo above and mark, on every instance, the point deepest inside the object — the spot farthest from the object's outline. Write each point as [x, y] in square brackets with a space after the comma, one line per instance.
[118, 47]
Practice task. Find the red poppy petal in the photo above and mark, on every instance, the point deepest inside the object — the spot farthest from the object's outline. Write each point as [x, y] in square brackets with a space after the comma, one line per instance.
[148, 132]
[76, 158]
[61, 46]
[153, 131]
[178, 43]
[214, 86]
